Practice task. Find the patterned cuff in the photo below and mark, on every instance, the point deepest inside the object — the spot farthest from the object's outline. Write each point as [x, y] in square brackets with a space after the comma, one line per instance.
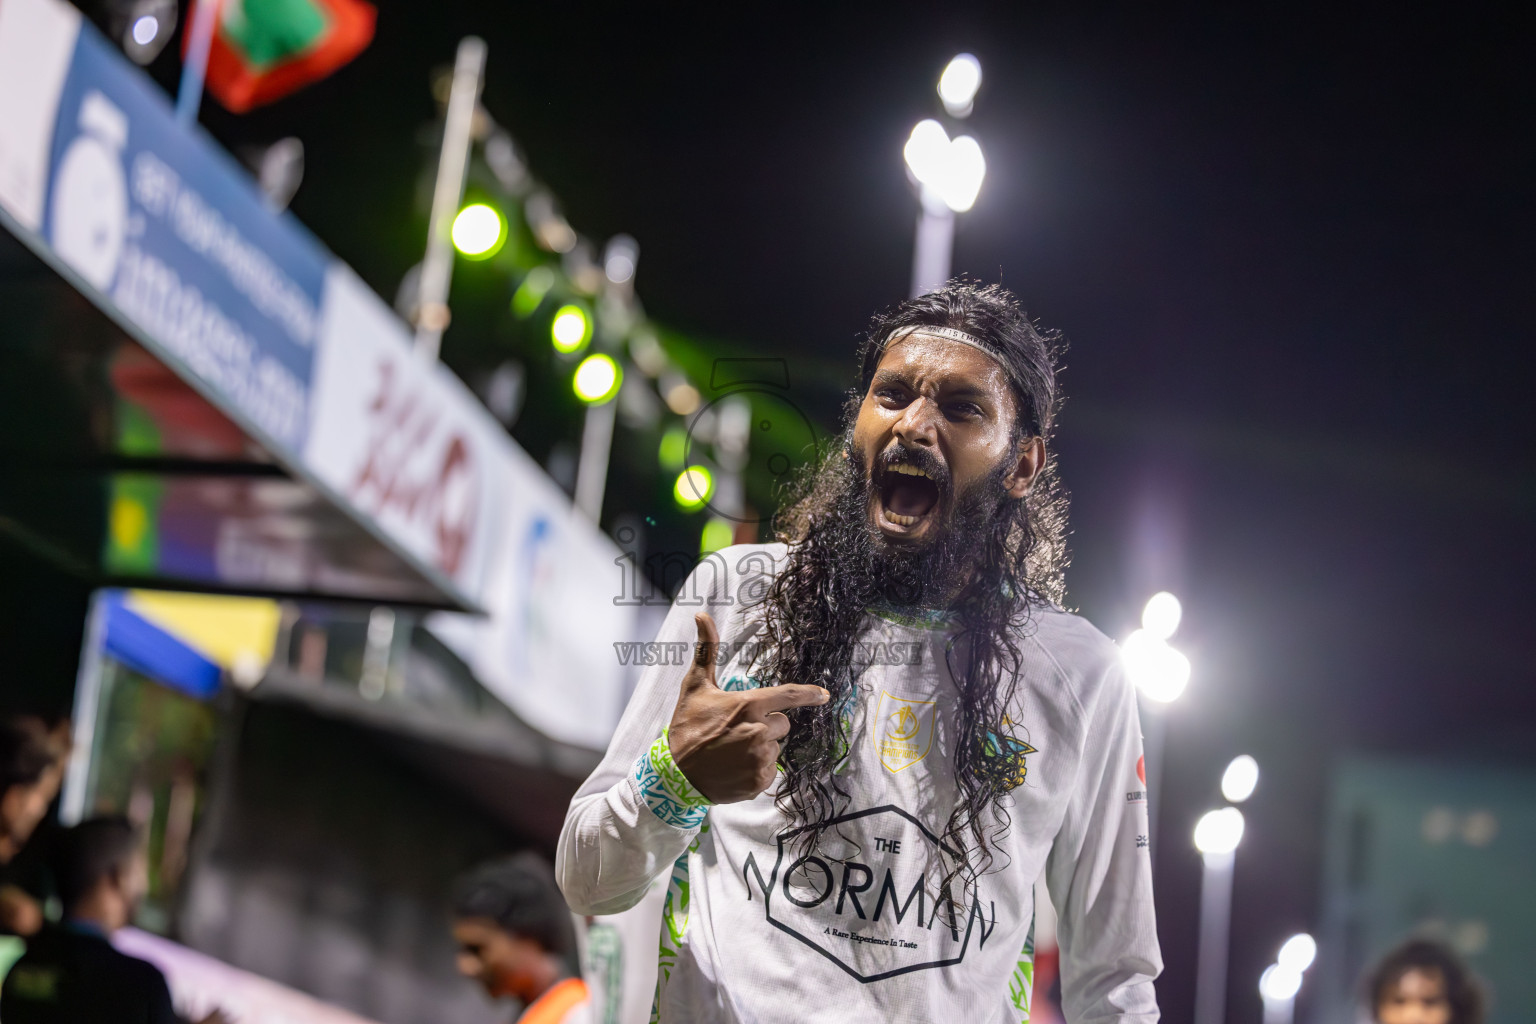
[666, 790]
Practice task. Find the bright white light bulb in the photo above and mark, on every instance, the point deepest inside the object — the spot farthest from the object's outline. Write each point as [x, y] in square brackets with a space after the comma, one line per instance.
[958, 84]
[597, 379]
[927, 151]
[1279, 984]
[953, 169]
[1156, 669]
[619, 268]
[1240, 778]
[1219, 831]
[569, 329]
[145, 29]
[619, 258]
[477, 230]
[1298, 953]
[1162, 615]
[965, 169]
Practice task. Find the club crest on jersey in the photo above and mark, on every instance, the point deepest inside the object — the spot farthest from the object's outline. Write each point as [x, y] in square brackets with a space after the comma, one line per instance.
[902, 730]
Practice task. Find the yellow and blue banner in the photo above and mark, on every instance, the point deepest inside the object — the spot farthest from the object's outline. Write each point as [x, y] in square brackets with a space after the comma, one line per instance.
[189, 641]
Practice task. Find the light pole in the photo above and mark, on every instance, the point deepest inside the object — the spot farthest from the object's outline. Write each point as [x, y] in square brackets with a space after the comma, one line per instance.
[947, 172]
[1216, 837]
[1281, 980]
[447, 194]
[1161, 673]
[1240, 779]
[596, 382]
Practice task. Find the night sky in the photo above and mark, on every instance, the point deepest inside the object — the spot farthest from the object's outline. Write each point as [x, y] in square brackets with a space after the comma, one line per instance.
[1292, 252]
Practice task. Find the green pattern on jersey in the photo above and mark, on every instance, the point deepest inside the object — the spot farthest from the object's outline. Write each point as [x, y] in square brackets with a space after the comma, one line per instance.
[674, 921]
[1022, 985]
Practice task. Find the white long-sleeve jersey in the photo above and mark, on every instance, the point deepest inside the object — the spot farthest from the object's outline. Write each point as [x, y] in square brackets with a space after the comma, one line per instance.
[755, 930]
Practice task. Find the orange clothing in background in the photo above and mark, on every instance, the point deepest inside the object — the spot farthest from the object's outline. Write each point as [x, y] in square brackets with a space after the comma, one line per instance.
[553, 1006]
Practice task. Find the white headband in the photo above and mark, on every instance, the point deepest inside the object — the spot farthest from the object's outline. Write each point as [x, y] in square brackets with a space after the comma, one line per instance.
[953, 334]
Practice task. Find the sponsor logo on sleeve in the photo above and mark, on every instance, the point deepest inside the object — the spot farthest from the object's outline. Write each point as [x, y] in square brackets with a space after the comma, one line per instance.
[1138, 794]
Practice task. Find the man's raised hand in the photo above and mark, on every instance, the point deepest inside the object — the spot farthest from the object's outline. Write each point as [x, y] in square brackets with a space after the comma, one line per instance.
[727, 743]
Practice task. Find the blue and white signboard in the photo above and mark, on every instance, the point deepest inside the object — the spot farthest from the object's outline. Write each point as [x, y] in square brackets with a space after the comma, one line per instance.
[161, 229]
[163, 223]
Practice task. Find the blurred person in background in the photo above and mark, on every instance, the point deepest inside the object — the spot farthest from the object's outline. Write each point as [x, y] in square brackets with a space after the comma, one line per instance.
[852, 796]
[516, 938]
[1423, 982]
[71, 973]
[32, 762]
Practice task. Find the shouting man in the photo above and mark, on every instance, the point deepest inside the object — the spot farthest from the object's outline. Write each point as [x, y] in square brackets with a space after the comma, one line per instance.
[889, 728]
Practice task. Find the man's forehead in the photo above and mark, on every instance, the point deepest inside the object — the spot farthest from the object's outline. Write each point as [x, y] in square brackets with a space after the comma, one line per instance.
[944, 357]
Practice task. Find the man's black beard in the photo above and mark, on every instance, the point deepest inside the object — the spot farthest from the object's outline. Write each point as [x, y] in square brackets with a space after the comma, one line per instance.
[929, 573]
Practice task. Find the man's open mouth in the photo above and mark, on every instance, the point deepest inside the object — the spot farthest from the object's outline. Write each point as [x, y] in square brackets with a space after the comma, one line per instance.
[907, 493]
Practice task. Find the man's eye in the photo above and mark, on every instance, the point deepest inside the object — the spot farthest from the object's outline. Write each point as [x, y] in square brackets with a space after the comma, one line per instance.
[964, 410]
[891, 394]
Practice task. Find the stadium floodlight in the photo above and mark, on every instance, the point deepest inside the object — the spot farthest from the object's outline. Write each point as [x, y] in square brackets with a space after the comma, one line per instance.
[1219, 832]
[619, 258]
[1298, 952]
[967, 168]
[478, 231]
[1240, 779]
[1157, 669]
[143, 27]
[693, 488]
[1216, 837]
[1281, 980]
[597, 379]
[958, 85]
[950, 169]
[1162, 615]
[571, 329]
[1279, 983]
[926, 151]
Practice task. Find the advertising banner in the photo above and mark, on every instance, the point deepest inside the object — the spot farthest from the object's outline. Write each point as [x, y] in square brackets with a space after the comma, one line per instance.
[546, 645]
[162, 223]
[163, 231]
[402, 439]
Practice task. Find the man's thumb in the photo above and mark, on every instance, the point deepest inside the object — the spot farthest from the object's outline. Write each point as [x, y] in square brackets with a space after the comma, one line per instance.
[706, 648]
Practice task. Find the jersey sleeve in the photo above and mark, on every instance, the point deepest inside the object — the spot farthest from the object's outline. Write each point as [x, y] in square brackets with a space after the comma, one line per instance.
[1100, 873]
[637, 813]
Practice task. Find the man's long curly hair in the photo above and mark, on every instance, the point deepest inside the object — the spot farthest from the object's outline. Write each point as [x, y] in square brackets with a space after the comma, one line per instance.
[1009, 557]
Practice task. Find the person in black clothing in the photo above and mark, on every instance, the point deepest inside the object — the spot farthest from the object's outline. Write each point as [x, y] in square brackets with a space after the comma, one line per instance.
[71, 973]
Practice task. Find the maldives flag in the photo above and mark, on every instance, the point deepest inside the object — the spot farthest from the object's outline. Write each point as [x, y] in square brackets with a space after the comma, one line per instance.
[265, 49]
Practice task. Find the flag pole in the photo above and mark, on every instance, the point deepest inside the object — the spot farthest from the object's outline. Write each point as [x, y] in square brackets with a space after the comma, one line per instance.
[189, 97]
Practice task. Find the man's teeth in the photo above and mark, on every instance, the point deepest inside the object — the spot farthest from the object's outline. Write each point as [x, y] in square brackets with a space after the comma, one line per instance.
[892, 517]
[907, 469]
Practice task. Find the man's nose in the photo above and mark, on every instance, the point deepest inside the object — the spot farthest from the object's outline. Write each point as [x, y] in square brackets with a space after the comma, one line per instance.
[918, 425]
